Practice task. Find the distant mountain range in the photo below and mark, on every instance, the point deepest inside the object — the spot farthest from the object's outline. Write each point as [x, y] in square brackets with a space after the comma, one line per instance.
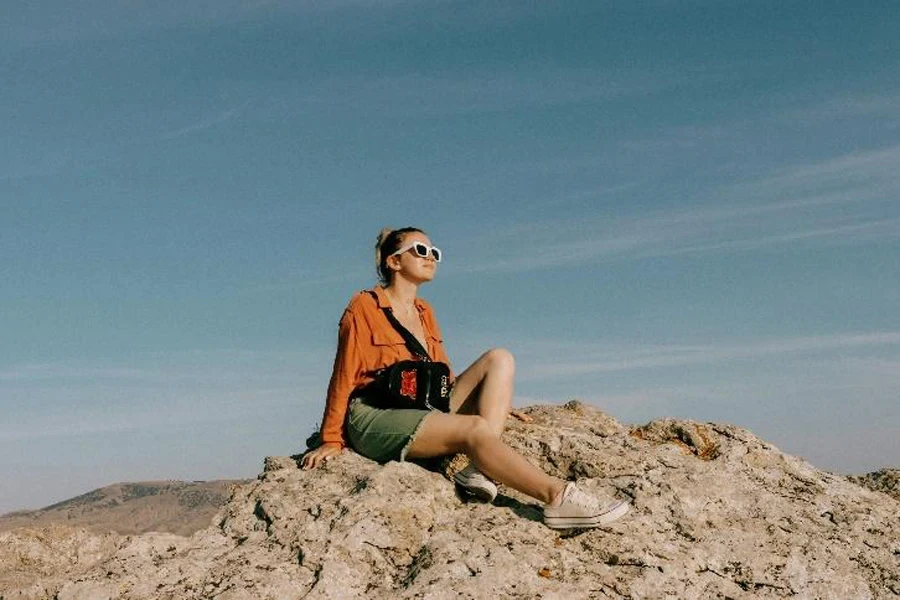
[180, 507]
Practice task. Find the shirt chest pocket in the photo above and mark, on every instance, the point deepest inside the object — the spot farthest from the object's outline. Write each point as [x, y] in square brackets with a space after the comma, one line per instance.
[388, 347]
[387, 338]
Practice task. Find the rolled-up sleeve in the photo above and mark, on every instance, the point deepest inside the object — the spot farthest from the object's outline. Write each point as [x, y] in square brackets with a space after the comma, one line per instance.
[347, 370]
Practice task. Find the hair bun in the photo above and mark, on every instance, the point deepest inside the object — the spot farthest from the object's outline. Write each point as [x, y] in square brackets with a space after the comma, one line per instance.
[383, 235]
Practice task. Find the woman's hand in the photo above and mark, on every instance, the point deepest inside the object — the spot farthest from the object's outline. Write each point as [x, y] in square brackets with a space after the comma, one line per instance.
[518, 414]
[320, 455]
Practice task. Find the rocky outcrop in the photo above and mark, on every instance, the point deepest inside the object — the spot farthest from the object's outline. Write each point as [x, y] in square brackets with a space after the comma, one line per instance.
[717, 513]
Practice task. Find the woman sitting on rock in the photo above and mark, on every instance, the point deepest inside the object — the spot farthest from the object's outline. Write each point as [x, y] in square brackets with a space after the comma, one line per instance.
[480, 399]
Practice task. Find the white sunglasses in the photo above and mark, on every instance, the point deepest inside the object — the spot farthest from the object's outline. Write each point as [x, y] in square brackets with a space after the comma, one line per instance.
[421, 250]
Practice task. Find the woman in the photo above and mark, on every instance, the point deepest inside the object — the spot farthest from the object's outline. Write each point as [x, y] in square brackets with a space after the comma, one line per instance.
[480, 400]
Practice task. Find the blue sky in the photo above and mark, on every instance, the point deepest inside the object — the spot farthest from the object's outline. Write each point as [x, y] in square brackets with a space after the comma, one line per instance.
[665, 208]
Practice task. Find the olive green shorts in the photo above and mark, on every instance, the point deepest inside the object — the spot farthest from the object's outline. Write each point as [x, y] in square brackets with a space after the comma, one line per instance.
[382, 434]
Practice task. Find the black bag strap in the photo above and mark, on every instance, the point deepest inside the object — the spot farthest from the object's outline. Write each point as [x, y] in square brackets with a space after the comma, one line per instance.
[414, 345]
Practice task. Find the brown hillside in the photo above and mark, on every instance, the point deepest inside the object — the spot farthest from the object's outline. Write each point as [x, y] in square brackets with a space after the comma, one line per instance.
[180, 507]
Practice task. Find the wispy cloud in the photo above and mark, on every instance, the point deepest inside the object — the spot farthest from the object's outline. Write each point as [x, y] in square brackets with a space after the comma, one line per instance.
[46, 371]
[885, 107]
[643, 395]
[53, 21]
[304, 280]
[882, 110]
[213, 367]
[92, 410]
[582, 359]
[529, 86]
[846, 199]
[158, 392]
[856, 233]
[205, 123]
[870, 174]
[882, 366]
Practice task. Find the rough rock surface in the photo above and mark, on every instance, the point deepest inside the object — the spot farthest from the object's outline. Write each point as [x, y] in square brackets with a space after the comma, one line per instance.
[717, 513]
[886, 481]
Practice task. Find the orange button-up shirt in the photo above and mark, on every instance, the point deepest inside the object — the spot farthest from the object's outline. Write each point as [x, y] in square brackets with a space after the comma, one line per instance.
[367, 342]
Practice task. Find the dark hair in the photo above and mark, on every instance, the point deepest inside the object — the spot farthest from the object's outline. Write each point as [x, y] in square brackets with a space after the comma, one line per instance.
[388, 242]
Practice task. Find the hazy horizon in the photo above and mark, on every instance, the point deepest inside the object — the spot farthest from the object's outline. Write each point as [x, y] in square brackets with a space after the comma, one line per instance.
[684, 209]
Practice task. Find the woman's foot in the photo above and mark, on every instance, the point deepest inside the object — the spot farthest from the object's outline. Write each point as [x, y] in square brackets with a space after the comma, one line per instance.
[580, 510]
[474, 483]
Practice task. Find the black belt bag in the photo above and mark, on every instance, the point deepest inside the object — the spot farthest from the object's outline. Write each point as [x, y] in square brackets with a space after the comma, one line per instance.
[421, 383]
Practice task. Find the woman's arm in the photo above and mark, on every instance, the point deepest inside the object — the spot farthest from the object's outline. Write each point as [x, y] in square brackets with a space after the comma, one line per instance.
[345, 374]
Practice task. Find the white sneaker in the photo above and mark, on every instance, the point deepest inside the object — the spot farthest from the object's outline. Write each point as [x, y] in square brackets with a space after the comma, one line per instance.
[476, 484]
[581, 510]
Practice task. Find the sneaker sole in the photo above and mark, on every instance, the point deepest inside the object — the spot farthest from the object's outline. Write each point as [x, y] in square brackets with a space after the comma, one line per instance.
[585, 522]
[481, 493]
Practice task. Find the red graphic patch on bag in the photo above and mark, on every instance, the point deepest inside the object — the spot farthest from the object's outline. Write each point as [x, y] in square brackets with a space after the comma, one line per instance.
[408, 384]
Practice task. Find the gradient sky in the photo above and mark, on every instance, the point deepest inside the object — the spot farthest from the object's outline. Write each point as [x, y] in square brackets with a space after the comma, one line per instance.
[681, 208]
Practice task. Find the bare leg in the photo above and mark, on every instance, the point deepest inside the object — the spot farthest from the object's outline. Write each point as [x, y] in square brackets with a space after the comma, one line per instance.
[486, 388]
[442, 434]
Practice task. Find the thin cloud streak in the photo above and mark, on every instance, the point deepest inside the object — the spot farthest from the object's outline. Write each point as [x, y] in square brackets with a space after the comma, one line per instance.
[489, 91]
[847, 199]
[606, 360]
[858, 233]
[165, 391]
[846, 107]
[43, 372]
[212, 367]
[662, 242]
[212, 121]
[856, 170]
[147, 410]
[664, 395]
[310, 279]
[55, 21]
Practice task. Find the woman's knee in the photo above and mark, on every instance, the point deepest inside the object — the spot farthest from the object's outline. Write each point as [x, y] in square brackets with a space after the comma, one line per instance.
[478, 430]
[500, 360]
